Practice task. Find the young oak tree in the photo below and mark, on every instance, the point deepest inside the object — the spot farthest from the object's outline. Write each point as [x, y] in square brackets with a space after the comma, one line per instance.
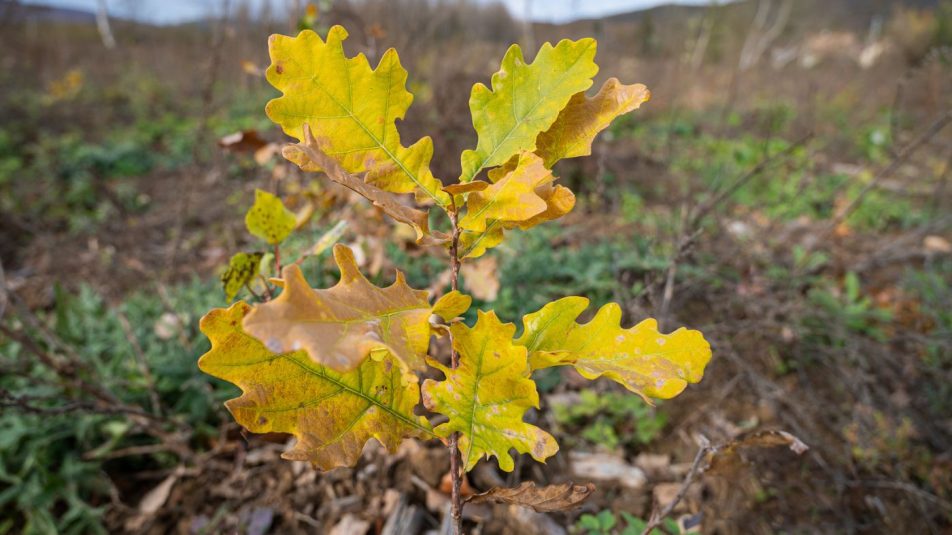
[336, 367]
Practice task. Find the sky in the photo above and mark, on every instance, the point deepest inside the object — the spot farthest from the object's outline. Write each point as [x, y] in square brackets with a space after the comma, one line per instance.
[173, 11]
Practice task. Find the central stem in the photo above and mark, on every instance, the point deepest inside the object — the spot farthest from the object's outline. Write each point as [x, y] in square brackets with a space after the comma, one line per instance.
[455, 460]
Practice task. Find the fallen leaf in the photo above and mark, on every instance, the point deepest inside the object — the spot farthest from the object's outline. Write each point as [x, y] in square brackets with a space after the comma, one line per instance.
[481, 278]
[723, 457]
[541, 499]
[937, 244]
[606, 467]
[242, 141]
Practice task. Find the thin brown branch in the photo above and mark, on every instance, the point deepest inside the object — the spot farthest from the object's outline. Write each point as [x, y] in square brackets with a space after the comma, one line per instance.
[900, 158]
[658, 515]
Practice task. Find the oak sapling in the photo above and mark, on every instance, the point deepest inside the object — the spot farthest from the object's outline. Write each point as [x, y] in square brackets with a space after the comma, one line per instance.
[336, 367]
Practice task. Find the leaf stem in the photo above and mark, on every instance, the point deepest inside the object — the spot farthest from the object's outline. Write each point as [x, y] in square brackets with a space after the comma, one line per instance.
[455, 460]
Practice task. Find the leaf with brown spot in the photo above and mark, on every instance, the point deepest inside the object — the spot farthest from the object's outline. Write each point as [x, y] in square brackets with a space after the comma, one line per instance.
[486, 397]
[583, 118]
[352, 109]
[269, 219]
[331, 414]
[309, 151]
[640, 358]
[341, 326]
[242, 269]
[547, 499]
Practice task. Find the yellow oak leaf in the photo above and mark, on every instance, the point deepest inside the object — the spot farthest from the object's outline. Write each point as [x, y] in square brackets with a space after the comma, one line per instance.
[269, 219]
[525, 100]
[352, 111]
[569, 137]
[331, 414]
[475, 244]
[340, 327]
[511, 199]
[640, 358]
[451, 305]
[583, 118]
[487, 395]
[309, 151]
[558, 200]
[242, 269]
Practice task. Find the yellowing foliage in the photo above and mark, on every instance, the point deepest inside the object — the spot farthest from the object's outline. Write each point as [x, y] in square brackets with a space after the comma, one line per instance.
[486, 397]
[242, 269]
[640, 358]
[341, 326]
[331, 414]
[526, 98]
[269, 219]
[338, 366]
[351, 109]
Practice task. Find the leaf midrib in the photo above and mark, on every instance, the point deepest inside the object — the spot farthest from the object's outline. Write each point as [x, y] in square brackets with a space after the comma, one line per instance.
[379, 142]
[518, 122]
[343, 386]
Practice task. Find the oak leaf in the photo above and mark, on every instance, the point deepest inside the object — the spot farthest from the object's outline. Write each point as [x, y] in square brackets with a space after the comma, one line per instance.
[640, 358]
[331, 414]
[512, 198]
[352, 111]
[547, 499]
[525, 100]
[487, 395]
[340, 327]
[583, 118]
[309, 152]
[269, 219]
[451, 305]
[242, 269]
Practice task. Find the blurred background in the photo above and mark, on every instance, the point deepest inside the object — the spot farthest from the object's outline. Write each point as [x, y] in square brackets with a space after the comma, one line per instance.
[785, 191]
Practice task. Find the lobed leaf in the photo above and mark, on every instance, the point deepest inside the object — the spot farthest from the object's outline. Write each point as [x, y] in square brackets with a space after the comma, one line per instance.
[583, 118]
[487, 395]
[331, 414]
[510, 200]
[309, 152]
[269, 219]
[340, 327]
[525, 100]
[352, 111]
[640, 358]
[242, 269]
[451, 305]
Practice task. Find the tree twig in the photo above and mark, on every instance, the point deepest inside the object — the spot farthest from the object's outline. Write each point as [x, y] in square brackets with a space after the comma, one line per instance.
[658, 515]
[900, 158]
